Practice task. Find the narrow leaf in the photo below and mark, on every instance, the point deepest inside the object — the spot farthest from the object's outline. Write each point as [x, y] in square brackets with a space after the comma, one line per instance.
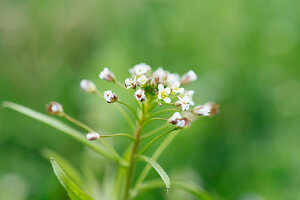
[74, 192]
[158, 168]
[60, 126]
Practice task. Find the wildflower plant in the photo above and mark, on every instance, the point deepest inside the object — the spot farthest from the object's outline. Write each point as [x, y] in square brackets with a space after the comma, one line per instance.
[156, 93]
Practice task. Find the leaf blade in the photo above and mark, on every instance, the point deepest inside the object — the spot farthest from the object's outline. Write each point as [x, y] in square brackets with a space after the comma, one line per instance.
[164, 176]
[60, 126]
[74, 192]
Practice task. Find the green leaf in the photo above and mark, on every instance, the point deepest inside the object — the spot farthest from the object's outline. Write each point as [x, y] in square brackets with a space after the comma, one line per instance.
[60, 126]
[188, 187]
[164, 176]
[67, 167]
[74, 192]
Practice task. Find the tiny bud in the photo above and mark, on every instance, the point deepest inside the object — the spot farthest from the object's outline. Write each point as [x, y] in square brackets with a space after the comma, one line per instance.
[140, 95]
[214, 108]
[188, 77]
[92, 136]
[54, 108]
[87, 86]
[107, 75]
[110, 97]
[202, 110]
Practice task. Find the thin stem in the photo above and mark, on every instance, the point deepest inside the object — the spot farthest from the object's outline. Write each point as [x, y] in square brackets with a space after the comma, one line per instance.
[118, 83]
[128, 106]
[125, 115]
[153, 132]
[155, 118]
[163, 111]
[154, 140]
[130, 172]
[118, 134]
[78, 123]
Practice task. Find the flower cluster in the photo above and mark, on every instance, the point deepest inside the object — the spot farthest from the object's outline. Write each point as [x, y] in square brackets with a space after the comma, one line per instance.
[162, 88]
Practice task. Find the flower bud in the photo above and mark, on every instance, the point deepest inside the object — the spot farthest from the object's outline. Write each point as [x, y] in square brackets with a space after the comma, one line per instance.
[188, 77]
[55, 108]
[110, 97]
[159, 76]
[92, 136]
[208, 109]
[140, 69]
[140, 95]
[107, 75]
[87, 86]
[179, 121]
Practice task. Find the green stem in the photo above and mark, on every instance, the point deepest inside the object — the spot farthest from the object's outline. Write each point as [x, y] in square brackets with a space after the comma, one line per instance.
[164, 111]
[154, 140]
[155, 118]
[78, 123]
[125, 115]
[128, 106]
[153, 132]
[118, 134]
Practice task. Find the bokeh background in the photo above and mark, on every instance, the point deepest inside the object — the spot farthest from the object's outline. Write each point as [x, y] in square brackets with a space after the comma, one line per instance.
[246, 54]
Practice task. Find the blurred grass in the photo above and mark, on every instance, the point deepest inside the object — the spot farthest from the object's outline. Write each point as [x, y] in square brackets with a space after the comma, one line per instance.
[246, 54]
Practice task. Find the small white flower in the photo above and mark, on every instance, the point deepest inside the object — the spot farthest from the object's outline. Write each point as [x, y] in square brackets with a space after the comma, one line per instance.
[130, 83]
[110, 97]
[92, 136]
[175, 87]
[163, 93]
[176, 116]
[140, 69]
[142, 80]
[203, 110]
[140, 95]
[160, 75]
[190, 94]
[87, 85]
[188, 77]
[107, 75]
[183, 102]
[55, 108]
[172, 77]
[177, 120]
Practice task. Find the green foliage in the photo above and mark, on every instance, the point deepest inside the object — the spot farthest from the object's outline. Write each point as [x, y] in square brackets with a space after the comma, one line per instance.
[74, 192]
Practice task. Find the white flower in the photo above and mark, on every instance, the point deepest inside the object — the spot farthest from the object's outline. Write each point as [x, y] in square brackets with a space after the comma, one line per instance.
[183, 102]
[92, 136]
[110, 97]
[175, 87]
[163, 93]
[140, 69]
[107, 75]
[190, 94]
[172, 77]
[160, 75]
[140, 95]
[87, 86]
[130, 83]
[177, 120]
[55, 108]
[203, 110]
[142, 80]
[188, 77]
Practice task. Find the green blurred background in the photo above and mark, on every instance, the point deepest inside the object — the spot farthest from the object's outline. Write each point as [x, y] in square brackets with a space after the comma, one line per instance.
[246, 54]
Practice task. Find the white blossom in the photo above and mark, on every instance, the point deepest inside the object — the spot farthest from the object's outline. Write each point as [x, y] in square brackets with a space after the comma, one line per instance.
[130, 83]
[176, 119]
[55, 108]
[188, 77]
[92, 136]
[107, 75]
[140, 95]
[110, 97]
[175, 87]
[190, 94]
[87, 85]
[163, 93]
[160, 75]
[203, 110]
[142, 80]
[140, 69]
[183, 103]
[172, 77]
